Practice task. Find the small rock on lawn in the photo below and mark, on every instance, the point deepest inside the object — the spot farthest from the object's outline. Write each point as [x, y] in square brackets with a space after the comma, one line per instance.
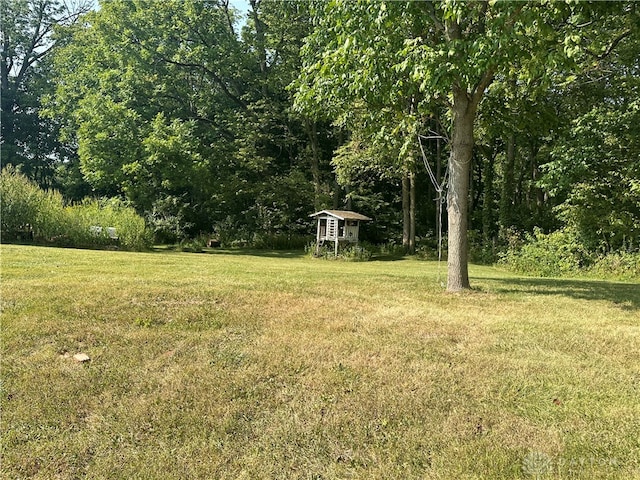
[81, 357]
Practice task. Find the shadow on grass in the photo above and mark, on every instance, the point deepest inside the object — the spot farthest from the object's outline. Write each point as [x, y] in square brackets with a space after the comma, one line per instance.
[388, 257]
[624, 295]
[251, 252]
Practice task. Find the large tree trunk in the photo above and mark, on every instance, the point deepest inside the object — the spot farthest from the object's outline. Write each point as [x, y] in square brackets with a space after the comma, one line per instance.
[464, 112]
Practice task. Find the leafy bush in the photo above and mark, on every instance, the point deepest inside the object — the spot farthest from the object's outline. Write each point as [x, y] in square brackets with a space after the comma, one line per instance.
[622, 265]
[167, 220]
[323, 251]
[355, 253]
[391, 248]
[546, 255]
[561, 253]
[130, 227]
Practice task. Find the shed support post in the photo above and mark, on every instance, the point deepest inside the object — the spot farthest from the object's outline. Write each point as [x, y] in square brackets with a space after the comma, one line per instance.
[336, 247]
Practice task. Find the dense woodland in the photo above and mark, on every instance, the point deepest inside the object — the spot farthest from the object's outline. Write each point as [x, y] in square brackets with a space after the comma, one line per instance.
[500, 122]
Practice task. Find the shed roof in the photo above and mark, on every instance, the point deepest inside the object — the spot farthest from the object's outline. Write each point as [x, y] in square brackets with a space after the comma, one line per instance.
[341, 214]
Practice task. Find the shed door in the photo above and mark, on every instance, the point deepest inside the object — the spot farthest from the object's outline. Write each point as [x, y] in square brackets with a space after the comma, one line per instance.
[323, 227]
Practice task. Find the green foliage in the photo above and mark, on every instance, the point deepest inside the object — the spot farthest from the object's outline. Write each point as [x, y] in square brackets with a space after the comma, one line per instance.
[546, 255]
[599, 167]
[561, 253]
[30, 141]
[24, 203]
[167, 220]
[391, 248]
[622, 265]
[355, 253]
[193, 245]
[188, 118]
[594, 172]
[280, 241]
[130, 227]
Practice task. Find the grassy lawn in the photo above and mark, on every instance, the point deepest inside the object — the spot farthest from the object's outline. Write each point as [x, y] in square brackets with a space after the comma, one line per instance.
[240, 366]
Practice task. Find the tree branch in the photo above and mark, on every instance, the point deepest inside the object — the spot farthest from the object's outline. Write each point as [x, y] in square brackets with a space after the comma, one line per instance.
[611, 47]
[483, 84]
[431, 9]
[212, 74]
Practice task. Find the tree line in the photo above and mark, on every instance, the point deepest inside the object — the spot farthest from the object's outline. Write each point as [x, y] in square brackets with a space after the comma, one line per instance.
[480, 120]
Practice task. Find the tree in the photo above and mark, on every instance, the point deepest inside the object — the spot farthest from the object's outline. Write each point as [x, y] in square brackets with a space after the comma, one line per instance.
[174, 108]
[455, 51]
[346, 78]
[594, 171]
[29, 141]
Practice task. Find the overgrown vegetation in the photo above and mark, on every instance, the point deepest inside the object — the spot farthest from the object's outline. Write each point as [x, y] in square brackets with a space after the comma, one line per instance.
[561, 253]
[362, 252]
[30, 214]
[232, 366]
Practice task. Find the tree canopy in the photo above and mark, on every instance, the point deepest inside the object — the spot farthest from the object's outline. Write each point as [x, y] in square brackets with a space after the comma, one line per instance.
[204, 118]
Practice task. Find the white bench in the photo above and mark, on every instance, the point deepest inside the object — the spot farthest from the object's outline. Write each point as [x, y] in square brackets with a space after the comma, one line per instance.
[96, 231]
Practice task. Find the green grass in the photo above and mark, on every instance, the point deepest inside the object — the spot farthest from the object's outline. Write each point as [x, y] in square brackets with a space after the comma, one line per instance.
[240, 366]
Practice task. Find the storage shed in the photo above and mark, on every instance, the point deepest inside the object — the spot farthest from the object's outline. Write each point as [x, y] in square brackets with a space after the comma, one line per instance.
[337, 226]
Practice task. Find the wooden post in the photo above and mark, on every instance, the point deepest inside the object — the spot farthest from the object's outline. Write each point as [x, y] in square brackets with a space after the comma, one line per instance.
[318, 236]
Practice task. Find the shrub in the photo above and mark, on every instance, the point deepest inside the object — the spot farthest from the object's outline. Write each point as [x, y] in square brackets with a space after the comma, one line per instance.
[167, 220]
[130, 227]
[355, 253]
[621, 265]
[392, 248]
[554, 254]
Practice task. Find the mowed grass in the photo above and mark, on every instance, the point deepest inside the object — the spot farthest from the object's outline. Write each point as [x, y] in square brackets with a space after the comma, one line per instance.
[240, 366]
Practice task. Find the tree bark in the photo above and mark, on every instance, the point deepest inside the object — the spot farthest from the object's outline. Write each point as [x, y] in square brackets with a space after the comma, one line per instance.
[412, 212]
[406, 207]
[464, 112]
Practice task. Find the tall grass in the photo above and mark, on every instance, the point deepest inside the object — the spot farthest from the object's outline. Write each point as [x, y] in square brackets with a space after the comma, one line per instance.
[27, 207]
